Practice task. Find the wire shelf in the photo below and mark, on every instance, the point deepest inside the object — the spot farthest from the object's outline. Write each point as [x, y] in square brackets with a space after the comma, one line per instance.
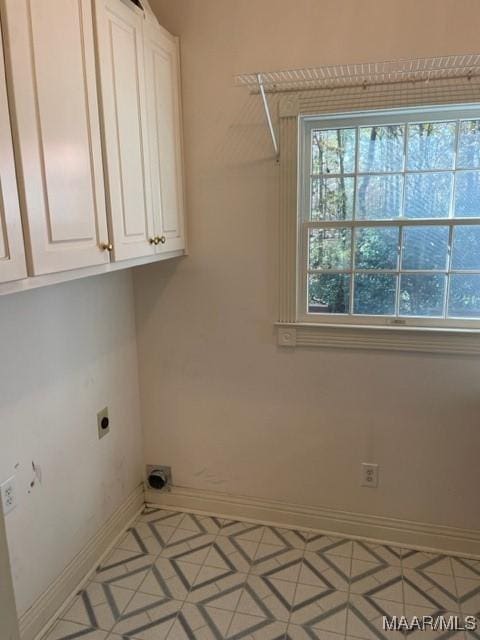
[365, 74]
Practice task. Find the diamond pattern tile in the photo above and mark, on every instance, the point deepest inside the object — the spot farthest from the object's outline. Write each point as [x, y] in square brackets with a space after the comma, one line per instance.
[124, 569]
[99, 606]
[376, 580]
[63, 630]
[182, 576]
[430, 590]
[365, 617]
[371, 552]
[147, 618]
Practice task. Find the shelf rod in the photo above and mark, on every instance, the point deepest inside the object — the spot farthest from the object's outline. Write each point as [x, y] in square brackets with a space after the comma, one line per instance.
[267, 114]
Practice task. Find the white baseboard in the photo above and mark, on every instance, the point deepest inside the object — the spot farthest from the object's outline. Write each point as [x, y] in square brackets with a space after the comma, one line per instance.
[416, 535]
[37, 619]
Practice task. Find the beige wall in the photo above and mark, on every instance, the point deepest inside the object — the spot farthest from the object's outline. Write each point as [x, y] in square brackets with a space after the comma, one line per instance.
[66, 352]
[222, 404]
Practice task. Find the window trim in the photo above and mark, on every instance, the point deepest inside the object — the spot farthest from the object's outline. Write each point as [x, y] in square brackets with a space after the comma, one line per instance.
[294, 329]
[465, 342]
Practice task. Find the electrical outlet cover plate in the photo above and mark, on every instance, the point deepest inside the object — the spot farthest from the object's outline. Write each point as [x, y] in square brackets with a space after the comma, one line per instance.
[161, 467]
[369, 475]
[9, 495]
[103, 423]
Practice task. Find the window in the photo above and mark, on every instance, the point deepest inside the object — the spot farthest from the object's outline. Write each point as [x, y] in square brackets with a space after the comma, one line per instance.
[389, 218]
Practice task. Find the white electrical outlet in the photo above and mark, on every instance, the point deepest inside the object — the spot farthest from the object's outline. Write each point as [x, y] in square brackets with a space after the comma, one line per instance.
[369, 475]
[9, 495]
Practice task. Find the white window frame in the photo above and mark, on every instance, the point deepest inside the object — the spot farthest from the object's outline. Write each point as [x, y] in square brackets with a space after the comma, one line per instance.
[355, 120]
[296, 327]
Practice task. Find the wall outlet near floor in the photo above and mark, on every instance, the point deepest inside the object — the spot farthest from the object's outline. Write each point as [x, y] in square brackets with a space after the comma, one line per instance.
[369, 475]
[103, 422]
[9, 495]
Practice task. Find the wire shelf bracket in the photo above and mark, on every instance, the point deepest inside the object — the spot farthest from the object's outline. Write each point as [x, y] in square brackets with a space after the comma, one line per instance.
[268, 116]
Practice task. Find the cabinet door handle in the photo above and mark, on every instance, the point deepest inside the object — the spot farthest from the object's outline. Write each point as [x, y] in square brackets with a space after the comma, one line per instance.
[154, 240]
[162, 239]
[107, 246]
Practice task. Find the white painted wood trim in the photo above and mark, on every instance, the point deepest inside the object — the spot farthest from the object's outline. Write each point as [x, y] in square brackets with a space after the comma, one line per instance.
[288, 218]
[408, 534]
[182, 154]
[8, 611]
[77, 274]
[47, 608]
[463, 342]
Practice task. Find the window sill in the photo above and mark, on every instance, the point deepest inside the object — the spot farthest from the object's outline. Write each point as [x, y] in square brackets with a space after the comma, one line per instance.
[407, 339]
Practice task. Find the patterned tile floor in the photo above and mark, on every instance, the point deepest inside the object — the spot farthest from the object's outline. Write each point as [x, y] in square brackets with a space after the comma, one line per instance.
[180, 576]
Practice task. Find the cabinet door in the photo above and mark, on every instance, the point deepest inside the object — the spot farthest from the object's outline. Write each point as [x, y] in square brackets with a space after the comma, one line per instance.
[165, 135]
[51, 70]
[122, 76]
[12, 254]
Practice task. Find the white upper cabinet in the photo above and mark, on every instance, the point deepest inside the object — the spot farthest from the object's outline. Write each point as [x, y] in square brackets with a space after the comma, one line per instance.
[122, 75]
[162, 69]
[12, 253]
[51, 71]
[91, 165]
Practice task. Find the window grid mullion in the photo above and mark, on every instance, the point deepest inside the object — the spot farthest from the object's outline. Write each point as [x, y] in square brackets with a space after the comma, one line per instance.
[352, 267]
[399, 268]
[454, 181]
[395, 222]
[454, 272]
[452, 216]
[355, 177]
[405, 153]
[354, 174]
[353, 224]
[305, 248]
[354, 216]
[401, 228]
[449, 268]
